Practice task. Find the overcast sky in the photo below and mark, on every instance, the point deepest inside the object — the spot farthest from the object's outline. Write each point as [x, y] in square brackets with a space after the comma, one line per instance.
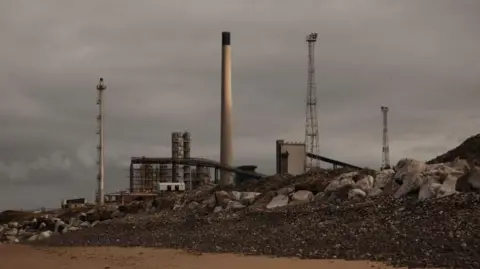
[161, 62]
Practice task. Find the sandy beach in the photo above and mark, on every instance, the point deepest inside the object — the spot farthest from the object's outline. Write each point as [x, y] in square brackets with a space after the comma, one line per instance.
[20, 256]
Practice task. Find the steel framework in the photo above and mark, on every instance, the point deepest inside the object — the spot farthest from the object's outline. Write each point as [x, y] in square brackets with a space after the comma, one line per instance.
[311, 124]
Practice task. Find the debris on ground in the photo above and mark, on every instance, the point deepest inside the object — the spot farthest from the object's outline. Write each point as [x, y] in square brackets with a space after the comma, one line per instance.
[417, 214]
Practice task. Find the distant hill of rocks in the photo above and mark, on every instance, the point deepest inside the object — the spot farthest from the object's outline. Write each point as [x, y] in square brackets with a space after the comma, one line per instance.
[469, 150]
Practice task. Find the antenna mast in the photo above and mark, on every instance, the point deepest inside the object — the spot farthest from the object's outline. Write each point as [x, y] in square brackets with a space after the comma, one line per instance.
[385, 146]
[311, 124]
[101, 171]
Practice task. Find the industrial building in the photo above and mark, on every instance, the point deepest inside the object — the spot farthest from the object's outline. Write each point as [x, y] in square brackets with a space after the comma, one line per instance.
[291, 157]
[146, 173]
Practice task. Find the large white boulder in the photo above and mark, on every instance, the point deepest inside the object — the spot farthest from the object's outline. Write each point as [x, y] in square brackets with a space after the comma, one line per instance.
[11, 232]
[222, 198]
[375, 192]
[448, 186]
[407, 172]
[235, 195]
[433, 180]
[411, 183]
[278, 201]
[365, 184]
[382, 179]
[356, 194]
[59, 225]
[408, 165]
[249, 198]
[341, 181]
[302, 195]
[429, 189]
[461, 166]
[44, 235]
[234, 205]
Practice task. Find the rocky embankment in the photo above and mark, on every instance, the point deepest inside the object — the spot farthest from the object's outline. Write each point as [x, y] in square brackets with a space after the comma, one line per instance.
[416, 214]
[42, 225]
[469, 150]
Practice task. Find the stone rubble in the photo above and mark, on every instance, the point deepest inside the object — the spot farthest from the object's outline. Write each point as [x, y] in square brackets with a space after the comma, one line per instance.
[407, 215]
[440, 232]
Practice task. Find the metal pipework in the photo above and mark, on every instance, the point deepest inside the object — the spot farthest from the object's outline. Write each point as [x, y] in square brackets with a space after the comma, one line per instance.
[186, 154]
[226, 147]
[175, 154]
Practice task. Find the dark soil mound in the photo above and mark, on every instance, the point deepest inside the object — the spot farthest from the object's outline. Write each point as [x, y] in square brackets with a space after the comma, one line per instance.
[469, 150]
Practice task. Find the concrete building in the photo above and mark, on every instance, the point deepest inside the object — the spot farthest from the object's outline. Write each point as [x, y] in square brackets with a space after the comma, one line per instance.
[291, 157]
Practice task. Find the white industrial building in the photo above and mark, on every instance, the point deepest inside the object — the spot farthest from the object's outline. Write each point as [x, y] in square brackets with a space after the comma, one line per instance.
[291, 157]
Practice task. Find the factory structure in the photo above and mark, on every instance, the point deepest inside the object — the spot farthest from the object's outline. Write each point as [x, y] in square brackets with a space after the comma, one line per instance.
[290, 157]
[149, 176]
[145, 174]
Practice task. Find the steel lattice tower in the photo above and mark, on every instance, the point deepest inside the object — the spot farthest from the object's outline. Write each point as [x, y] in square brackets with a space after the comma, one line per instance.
[385, 147]
[101, 87]
[311, 124]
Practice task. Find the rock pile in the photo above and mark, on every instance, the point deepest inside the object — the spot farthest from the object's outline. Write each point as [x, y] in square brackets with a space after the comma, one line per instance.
[37, 226]
[413, 214]
[439, 232]
[469, 150]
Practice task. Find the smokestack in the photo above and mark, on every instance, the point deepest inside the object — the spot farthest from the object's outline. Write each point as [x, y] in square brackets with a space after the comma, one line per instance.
[226, 148]
[385, 146]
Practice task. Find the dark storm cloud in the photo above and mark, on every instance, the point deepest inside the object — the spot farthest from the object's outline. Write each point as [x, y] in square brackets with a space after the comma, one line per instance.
[161, 61]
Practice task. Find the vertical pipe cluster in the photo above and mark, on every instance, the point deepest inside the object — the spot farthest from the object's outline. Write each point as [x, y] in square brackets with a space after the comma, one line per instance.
[175, 155]
[181, 143]
[385, 146]
[226, 147]
[100, 148]
[132, 182]
[186, 154]
[163, 172]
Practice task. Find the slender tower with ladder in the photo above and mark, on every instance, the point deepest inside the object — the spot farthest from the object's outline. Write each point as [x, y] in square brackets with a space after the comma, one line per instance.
[385, 147]
[311, 124]
[100, 162]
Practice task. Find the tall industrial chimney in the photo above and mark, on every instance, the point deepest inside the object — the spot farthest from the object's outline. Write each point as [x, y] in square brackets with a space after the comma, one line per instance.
[226, 147]
[385, 146]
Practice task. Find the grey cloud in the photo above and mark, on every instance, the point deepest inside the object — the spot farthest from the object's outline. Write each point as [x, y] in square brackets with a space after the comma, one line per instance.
[161, 62]
[20, 170]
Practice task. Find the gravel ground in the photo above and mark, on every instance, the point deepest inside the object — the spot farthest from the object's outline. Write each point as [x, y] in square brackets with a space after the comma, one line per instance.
[435, 233]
